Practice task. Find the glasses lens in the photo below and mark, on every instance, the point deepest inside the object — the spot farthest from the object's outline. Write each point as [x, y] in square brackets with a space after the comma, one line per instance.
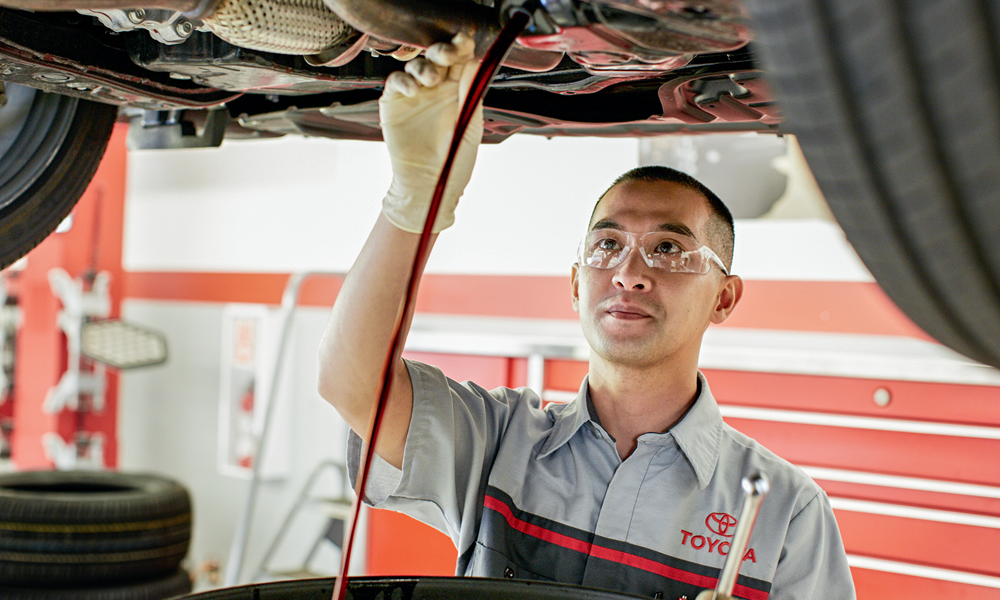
[604, 248]
[674, 252]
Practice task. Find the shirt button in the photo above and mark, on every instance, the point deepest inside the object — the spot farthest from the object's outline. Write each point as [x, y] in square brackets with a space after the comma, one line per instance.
[508, 573]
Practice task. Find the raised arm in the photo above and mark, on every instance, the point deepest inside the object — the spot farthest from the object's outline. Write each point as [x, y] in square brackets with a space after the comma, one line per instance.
[418, 111]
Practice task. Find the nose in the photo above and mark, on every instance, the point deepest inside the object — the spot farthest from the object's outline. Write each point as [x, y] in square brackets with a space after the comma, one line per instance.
[633, 273]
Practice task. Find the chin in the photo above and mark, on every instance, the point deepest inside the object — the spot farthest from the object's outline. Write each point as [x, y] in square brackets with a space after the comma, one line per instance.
[627, 351]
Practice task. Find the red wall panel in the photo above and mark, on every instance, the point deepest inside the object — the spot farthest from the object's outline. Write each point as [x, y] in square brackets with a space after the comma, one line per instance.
[564, 375]
[877, 585]
[93, 240]
[920, 498]
[909, 454]
[831, 306]
[399, 545]
[939, 402]
[929, 543]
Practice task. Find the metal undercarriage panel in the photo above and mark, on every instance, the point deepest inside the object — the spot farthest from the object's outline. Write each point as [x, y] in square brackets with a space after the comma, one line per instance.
[277, 94]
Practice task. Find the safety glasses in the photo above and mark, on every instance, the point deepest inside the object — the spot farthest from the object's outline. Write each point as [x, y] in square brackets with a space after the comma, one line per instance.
[672, 252]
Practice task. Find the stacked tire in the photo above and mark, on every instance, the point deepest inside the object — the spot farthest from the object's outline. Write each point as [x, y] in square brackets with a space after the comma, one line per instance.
[92, 535]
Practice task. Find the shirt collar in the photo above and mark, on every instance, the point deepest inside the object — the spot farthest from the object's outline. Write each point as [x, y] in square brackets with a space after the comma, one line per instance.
[698, 433]
[567, 421]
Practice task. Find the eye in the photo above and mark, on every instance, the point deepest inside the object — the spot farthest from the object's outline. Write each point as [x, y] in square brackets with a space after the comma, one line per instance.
[667, 247]
[608, 244]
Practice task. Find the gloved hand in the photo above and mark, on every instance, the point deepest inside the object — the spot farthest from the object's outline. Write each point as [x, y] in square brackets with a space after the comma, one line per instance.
[418, 112]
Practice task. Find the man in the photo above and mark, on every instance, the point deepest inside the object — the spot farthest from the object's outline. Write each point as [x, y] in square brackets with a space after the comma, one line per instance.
[634, 485]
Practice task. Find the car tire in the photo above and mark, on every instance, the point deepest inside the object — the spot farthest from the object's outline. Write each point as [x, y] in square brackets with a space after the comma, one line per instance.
[60, 528]
[176, 584]
[897, 108]
[50, 148]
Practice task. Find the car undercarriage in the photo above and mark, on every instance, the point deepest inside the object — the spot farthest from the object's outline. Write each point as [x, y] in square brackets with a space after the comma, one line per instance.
[266, 93]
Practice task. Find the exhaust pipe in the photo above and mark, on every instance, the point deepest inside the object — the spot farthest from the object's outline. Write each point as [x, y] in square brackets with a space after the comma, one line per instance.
[420, 23]
[300, 27]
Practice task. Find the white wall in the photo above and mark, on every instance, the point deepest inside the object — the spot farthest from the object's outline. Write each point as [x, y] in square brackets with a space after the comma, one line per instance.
[795, 250]
[307, 204]
[295, 204]
[169, 422]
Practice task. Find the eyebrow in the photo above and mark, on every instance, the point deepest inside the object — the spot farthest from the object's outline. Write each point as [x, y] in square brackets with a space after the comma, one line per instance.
[671, 227]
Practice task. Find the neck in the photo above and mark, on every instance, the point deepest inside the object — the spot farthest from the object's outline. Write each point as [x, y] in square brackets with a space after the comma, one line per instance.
[632, 401]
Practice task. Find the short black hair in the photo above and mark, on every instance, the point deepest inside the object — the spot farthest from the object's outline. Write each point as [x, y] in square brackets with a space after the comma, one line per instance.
[721, 228]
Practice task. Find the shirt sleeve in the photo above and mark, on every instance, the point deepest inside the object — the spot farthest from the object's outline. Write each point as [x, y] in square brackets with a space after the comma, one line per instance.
[813, 563]
[450, 446]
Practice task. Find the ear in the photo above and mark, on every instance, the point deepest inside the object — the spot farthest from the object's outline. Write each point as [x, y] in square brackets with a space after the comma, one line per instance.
[575, 279]
[729, 296]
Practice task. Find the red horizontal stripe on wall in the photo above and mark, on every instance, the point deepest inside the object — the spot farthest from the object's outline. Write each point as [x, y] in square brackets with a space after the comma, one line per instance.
[504, 296]
[921, 498]
[831, 306]
[254, 288]
[958, 459]
[923, 401]
[846, 307]
[930, 543]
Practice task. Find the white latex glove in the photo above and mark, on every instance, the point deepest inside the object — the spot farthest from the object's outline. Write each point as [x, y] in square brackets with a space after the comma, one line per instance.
[418, 112]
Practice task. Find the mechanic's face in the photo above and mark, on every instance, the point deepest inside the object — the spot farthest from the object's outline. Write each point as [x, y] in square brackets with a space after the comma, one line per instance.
[637, 315]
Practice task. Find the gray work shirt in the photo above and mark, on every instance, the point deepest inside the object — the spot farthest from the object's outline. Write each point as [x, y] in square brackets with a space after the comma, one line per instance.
[542, 494]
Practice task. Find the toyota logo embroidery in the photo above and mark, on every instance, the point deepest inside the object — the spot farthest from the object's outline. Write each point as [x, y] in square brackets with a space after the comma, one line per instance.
[720, 523]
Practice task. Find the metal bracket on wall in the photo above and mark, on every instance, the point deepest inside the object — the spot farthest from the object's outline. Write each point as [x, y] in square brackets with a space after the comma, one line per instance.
[85, 451]
[11, 318]
[78, 307]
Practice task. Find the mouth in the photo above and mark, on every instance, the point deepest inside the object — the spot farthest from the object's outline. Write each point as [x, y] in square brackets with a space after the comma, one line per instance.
[627, 312]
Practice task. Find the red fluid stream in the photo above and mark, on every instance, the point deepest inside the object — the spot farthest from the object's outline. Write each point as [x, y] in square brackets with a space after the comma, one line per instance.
[491, 63]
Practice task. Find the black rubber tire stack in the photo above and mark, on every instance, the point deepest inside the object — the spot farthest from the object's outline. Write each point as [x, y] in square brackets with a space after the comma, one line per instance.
[92, 535]
[897, 107]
